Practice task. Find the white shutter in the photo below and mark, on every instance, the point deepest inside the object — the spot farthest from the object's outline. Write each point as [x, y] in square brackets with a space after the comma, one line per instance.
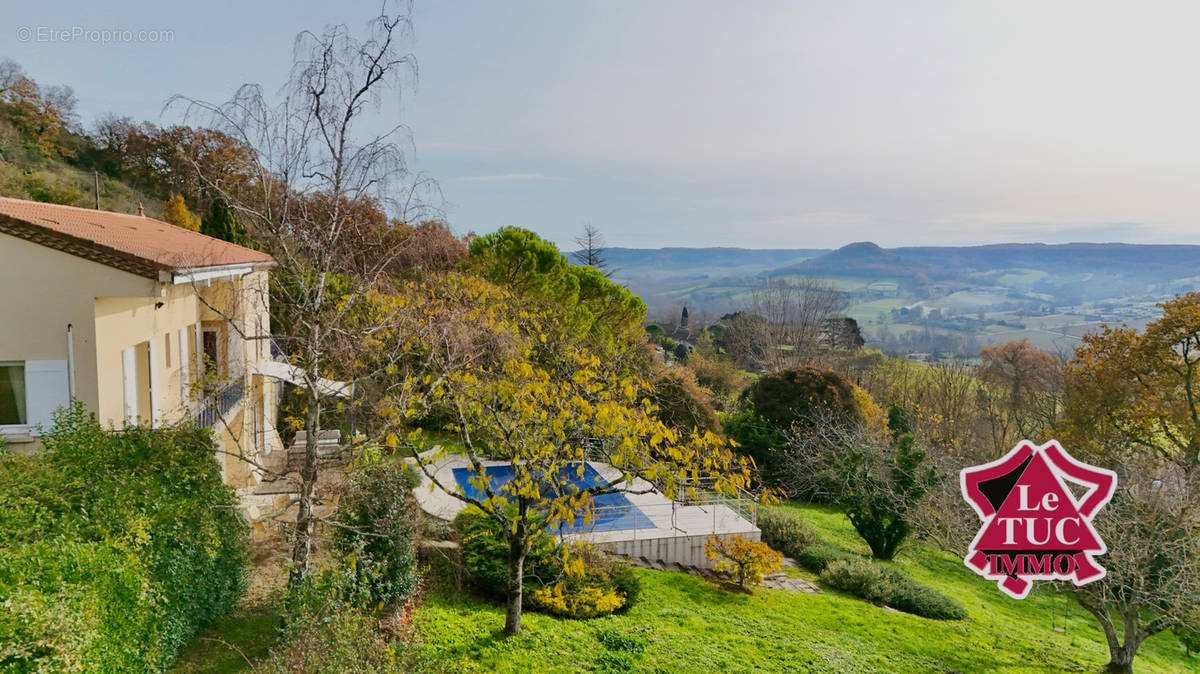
[129, 374]
[199, 344]
[185, 365]
[46, 390]
[152, 369]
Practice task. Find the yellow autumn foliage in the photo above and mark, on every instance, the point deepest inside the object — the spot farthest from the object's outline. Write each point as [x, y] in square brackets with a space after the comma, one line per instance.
[586, 602]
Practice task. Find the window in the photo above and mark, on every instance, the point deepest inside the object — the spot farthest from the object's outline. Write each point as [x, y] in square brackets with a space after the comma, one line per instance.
[211, 350]
[30, 392]
[12, 393]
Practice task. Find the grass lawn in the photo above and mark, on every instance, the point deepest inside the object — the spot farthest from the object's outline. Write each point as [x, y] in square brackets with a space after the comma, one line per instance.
[690, 625]
[249, 631]
[246, 634]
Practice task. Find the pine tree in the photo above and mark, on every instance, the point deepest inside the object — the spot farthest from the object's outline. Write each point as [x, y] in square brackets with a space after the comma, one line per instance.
[222, 222]
[176, 212]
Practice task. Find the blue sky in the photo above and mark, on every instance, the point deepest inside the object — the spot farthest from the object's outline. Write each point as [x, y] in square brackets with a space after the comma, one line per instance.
[756, 124]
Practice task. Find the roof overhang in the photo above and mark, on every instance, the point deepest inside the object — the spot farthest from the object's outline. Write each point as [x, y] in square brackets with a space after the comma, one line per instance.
[195, 274]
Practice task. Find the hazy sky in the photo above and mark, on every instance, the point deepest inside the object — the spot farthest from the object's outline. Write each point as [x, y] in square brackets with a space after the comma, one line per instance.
[756, 124]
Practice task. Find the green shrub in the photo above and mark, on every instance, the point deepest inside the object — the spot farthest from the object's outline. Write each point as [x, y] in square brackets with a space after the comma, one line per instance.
[485, 554]
[571, 581]
[329, 629]
[615, 640]
[785, 532]
[756, 439]
[860, 578]
[816, 557]
[879, 488]
[880, 584]
[625, 579]
[912, 597]
[115, 548]
[378, 520]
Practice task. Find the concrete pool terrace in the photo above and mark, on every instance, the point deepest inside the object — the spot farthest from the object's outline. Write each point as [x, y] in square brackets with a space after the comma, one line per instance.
[651, 526]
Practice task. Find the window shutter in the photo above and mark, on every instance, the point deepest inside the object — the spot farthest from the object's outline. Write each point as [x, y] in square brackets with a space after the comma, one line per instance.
[185, 364]
[45, 391]
[129, 378]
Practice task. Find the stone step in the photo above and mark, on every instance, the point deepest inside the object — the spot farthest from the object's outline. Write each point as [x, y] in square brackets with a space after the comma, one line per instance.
[283, 485]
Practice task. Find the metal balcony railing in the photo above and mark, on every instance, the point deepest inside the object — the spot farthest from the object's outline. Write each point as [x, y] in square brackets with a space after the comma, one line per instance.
[217, 405]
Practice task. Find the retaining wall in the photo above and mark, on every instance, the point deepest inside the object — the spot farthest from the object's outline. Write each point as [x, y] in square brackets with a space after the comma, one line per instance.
[683, 550]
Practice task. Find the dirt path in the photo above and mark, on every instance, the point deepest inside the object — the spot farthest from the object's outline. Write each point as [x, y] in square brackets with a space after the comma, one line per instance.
[245, 635]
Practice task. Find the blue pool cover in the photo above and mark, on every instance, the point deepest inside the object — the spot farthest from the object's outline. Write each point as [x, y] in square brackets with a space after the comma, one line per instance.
[611, 512]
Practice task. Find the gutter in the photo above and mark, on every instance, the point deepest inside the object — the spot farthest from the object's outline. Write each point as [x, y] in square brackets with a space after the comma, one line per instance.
[185, 275]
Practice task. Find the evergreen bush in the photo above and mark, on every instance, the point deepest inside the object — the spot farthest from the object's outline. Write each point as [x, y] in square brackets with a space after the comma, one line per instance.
[115, 548]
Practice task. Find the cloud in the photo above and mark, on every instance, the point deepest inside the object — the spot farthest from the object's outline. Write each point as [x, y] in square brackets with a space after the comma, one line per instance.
[509, 177]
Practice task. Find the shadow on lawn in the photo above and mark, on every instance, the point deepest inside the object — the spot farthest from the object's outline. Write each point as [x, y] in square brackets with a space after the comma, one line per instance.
[231, 644]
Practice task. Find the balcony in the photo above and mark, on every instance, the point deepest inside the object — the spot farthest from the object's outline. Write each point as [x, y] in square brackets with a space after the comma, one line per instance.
[217, 405]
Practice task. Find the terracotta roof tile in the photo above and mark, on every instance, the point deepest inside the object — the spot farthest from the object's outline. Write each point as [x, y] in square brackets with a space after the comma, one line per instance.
[161, 244]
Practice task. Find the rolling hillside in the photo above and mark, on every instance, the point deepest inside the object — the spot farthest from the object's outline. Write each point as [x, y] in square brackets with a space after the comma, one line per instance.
[931, 298]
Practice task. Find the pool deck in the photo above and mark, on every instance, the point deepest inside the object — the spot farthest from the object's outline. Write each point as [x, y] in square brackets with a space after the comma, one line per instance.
[670, 519]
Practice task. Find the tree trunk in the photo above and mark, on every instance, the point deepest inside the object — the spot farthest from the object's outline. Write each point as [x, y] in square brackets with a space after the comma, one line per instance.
[1121, 658]
[302, 545]
[517, 549]
[1121, 661]
[1120, 655]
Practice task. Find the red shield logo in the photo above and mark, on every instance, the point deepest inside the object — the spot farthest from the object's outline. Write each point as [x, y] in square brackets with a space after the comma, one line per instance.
[1034, 528]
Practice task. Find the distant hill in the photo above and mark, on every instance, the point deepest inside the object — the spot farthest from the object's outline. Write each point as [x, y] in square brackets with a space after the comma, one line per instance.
[1000, 278]
[643, 262]
[1151, 263]
[863, 259]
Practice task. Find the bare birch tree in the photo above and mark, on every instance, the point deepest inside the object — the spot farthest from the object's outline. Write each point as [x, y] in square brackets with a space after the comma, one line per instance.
[325, 173]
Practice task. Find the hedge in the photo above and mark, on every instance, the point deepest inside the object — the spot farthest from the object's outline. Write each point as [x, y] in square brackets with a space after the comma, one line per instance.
[816, 557]
[115, 548]
[880, 584]
[785, 532]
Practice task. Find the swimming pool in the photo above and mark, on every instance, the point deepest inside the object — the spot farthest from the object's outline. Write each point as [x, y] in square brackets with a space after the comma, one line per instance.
[611, 512]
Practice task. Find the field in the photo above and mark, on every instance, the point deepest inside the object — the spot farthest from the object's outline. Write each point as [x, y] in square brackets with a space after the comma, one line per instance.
[691, 625]
[1050, 295]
